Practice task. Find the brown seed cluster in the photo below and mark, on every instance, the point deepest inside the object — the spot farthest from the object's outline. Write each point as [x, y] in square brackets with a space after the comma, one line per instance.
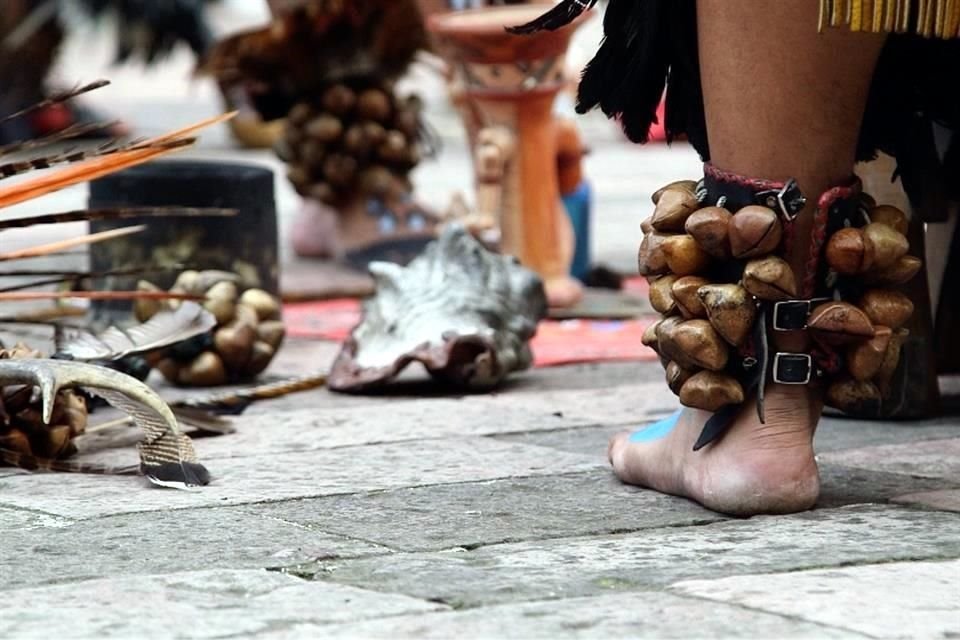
[706, 323]
[248, 334]
[351, 141]
[21, 419]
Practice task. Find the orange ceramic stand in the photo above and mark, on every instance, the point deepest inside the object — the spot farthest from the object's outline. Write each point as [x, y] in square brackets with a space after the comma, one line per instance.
[512, 82]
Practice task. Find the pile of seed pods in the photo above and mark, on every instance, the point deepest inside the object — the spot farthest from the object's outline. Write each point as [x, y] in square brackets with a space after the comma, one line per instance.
[22, 429]
[710, 271]
[248, 334]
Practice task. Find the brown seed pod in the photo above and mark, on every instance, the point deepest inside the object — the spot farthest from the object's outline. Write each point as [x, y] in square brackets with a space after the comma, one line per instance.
[407, 121]
[355, 141]
[673, 209]
[322, 192]
[689, 186]
[300, 113]
[374, 104]
[260, 359]
[902, 272]
[684, 256]
[770, 278]
[888, 308]
[754, 231]
[731, 310]
[170, 369]
[710, 227]
[651, 259]
[889, 245]
[394, 147]
[376, 181]
[234, 344]
[206, 370]
[647, 225]
[339, 169]
[864, 359]
[711, 391]
[272, 332]
[684, 292]
[649, 338]
[375, 133]
[854, 396]
[677, 376]
[837, 323]
[16, 440]
[891, 359]
[53, 442]
[694, 344]
[299, 177]
[339, 100]
[325, 129]
[266, 305]
[661, 297]
[221, 301]
[850, 251]
[145, 309]
[890, 216]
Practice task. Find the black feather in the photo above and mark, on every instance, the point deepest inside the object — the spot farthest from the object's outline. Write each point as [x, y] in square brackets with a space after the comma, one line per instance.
[559, 16]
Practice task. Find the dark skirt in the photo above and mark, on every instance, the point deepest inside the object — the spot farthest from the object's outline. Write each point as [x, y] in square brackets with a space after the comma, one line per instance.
[650, 46]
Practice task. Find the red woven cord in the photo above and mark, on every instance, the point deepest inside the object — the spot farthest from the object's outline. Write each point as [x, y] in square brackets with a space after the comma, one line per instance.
[757, 184]
[818, 234]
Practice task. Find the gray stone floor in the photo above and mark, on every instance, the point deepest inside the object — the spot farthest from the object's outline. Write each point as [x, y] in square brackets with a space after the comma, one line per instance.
[417, 515]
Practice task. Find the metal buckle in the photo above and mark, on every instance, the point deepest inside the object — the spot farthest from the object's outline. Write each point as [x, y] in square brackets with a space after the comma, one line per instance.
[789, 200]
[792, 363]
[787, 312]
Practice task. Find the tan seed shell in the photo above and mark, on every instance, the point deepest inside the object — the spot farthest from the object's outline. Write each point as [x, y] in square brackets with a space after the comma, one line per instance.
[711, 391]
[836, 323]
[710, 227]
[651, 259]
[885, 307]
[673, 209]
[234, 344]
[754, 231]
[854, 397]
[260, 359]
[685, 295]
[891, 359]
[684, 256]
[864, 359]
[731, 310]
[890, 216]
[850, 251]
[661, 297]
[649, 338]
[689, 186]
[889, 245]
[902, 272]
[676, 377]
[206, 370]
[770, 278]
[694, 344]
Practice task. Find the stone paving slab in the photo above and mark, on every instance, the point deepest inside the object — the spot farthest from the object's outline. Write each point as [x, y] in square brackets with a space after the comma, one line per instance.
[607, 617]
[930, 459]
[948, 500]
[17, 520]
[333, 427]
[896, 600]
[208, 604]
[483, 513]
[841, 486]
[575, 567]
[162, 542]
[296, 475]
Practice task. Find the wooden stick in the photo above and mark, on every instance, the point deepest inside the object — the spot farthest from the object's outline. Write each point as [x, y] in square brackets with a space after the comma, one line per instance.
[60, 245]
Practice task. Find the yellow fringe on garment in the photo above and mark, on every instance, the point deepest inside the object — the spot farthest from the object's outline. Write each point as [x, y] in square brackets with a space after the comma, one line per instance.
[928, 18]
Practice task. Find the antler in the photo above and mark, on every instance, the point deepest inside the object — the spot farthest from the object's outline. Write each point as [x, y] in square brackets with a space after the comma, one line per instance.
[167, 457]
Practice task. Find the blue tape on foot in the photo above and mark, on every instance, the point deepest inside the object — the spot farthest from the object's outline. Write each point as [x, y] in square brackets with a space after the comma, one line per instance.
[657, 430]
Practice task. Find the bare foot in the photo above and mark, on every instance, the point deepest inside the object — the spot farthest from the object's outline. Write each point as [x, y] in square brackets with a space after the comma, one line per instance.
[754, 469]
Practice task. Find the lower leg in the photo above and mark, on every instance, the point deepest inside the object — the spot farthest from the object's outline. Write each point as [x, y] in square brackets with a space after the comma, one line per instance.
[782, 101]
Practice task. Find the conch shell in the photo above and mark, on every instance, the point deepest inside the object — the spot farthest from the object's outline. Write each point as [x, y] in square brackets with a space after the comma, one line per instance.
[467, 314]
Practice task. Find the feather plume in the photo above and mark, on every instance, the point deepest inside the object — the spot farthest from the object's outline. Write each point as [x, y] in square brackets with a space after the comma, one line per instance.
[163, 330]
[557, 17]
[87, 215]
